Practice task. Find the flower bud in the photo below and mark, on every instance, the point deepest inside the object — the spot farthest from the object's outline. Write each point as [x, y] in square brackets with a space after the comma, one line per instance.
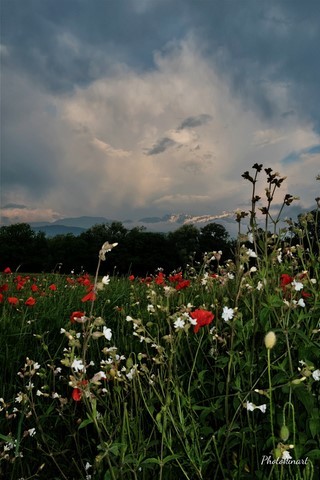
[284, 433]
[270, 340]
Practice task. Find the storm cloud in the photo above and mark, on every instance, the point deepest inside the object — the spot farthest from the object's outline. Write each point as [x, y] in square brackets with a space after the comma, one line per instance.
[124, 109]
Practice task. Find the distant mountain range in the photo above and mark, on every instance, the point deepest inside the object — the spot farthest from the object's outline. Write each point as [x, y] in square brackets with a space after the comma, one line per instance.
[168, 222]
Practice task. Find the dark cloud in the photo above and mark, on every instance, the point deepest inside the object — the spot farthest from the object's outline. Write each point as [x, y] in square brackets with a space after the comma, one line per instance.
[15, 205]
[255, 44]
[196, 121]
[64, 44]
[161, 146]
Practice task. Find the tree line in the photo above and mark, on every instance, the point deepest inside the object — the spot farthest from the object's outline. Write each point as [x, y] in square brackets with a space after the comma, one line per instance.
[139, 252]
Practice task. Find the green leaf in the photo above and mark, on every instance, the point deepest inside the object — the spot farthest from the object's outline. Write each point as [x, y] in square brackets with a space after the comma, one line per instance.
[305, 397]
[85, 422]
[314, 423]
[314, 454]
[151, 460]
[170, 457]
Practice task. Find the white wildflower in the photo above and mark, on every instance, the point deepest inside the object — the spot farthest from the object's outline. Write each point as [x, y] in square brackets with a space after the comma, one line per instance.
[32, 432]
[262, 408]
[286, 455]
[107, 333]
[301, 303]
[227, 314]
[179, 323]
[250, 406]
[259, 286]
[297, 285]
[132, 373]
[316, 375]
[19, 398]
[77, 365]
[106, 280]
[251, 253]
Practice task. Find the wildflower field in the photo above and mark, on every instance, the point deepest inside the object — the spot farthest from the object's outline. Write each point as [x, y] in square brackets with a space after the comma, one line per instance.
[210, 373]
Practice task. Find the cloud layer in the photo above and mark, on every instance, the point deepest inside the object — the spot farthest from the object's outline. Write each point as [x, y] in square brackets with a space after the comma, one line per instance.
[124, 112]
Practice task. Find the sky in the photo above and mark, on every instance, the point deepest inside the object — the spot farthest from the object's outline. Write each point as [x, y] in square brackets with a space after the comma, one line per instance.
[134, 108]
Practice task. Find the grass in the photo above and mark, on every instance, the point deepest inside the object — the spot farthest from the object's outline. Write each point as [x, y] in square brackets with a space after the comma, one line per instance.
[208, 374]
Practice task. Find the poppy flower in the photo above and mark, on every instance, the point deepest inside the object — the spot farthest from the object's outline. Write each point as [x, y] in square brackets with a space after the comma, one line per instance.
[34, 287]
[285, 279]
[131, 278]
[75, 315]
[160, 279]
[20, 286]
[76, 394]
[183, 284]
[30, 301]
[4, 287]
[13, 300]
[7, 270]
[52, 287]
[90, 297]
[203, 317]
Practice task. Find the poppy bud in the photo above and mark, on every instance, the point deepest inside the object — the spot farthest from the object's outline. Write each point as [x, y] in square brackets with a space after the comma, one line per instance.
[270, 340]
[284, 433]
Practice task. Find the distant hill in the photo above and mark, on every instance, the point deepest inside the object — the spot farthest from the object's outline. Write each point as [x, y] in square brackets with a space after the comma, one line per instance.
[53, 230]
[166, 223]
[83, 222]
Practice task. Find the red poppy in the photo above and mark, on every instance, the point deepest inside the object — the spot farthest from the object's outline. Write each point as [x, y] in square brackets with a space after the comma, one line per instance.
[131, 278]
[305, 294]
[177, 277]
[146, 280]
[7, 270]
[182, 284]
[203, 317]
[4, 287]
[76, 394]
[160, 279]
[13, 300]
[53, 287]
[34, 287]
[30, 302]
[90, 297]
[285, 279]
[75, 315]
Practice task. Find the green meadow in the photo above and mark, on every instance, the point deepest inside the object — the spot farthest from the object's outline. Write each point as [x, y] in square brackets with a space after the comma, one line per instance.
[210, 372]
